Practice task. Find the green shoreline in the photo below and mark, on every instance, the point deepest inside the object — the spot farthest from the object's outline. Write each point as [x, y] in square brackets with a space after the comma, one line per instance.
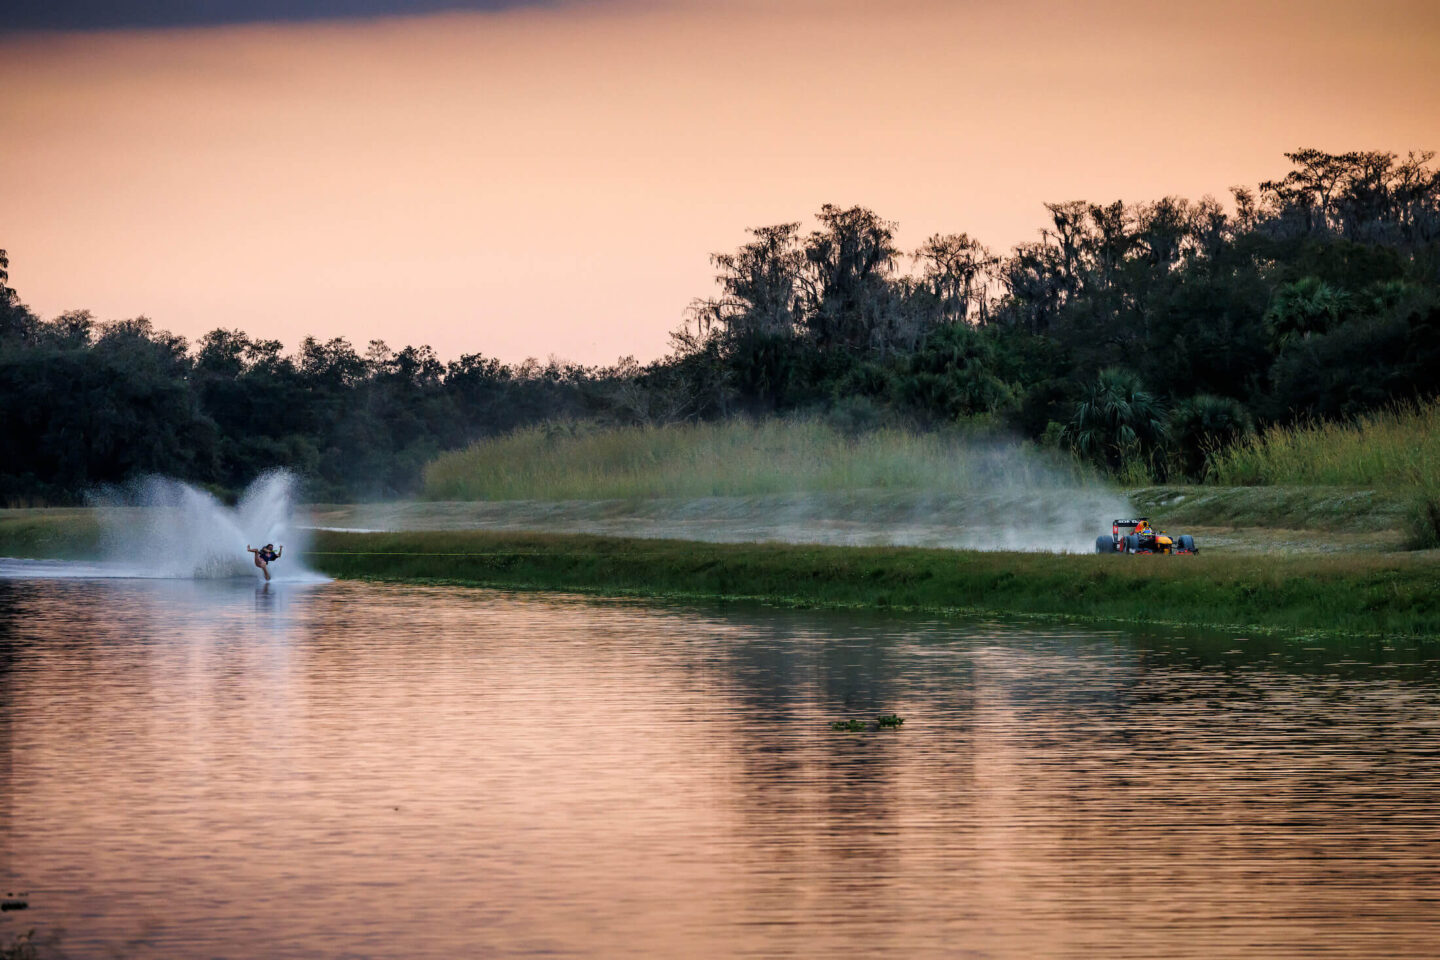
[1358, 595]
[1354, 594]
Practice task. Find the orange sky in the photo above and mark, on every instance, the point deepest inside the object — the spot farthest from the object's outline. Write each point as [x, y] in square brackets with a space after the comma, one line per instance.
[551, 181]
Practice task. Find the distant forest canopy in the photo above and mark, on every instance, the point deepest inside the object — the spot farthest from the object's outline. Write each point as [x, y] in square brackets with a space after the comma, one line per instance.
[1140, 336]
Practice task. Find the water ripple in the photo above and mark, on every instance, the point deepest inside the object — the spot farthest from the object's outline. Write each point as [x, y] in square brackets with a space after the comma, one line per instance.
[208, 769]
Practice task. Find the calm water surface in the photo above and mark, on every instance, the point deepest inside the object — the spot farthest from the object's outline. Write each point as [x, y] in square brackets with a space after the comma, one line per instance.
[203, 770]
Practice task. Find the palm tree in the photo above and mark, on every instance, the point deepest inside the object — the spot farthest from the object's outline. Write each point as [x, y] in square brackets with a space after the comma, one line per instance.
[1117, 422]
[1202, 424]
[1309, 305]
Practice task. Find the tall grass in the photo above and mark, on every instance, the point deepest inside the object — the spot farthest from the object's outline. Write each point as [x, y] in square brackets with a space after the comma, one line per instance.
[1396, 449]
[1399, 447]
[734, 458]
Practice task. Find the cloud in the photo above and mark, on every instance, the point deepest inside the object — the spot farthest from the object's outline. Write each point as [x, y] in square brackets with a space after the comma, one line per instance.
[71, 15]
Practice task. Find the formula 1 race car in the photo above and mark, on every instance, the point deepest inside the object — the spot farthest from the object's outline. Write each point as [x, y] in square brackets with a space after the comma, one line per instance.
[1140, 537]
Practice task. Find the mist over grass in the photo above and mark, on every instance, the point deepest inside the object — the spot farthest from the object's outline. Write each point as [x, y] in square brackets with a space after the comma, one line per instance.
[782, 481]
[738, 458]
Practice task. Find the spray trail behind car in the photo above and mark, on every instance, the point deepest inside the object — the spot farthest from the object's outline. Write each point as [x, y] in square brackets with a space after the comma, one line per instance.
[1021, 500]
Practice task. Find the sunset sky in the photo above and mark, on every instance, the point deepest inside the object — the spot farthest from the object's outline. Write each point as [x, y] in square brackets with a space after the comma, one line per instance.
[535, 179]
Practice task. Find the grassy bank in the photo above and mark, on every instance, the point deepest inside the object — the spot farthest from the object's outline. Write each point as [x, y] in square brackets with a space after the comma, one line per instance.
[1319, 508]
[735, 458]
[58, 533]
[1396, 450]
[1352, 594]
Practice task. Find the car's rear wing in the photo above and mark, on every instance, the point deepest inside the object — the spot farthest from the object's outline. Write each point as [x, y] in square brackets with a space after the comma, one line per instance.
[1128, 524]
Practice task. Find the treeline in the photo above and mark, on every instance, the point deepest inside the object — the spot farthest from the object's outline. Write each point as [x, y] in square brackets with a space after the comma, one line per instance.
[88, 404]
[1141, 336]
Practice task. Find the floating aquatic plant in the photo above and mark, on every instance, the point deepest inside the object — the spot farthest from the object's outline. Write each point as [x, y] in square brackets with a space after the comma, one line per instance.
[890, 721]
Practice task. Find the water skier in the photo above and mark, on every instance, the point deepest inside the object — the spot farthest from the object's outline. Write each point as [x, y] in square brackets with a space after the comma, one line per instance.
[265, 556]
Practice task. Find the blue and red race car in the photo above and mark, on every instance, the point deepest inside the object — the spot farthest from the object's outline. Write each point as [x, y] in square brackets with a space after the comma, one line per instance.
[1140, 537]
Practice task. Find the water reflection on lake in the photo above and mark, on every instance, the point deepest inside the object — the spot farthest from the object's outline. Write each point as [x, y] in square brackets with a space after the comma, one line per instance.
[207, 770]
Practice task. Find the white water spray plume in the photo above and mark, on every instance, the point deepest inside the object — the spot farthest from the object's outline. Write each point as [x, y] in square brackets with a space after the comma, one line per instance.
[162, 528]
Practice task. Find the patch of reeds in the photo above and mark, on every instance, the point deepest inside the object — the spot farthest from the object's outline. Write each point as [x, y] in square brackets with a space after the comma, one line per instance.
[1423, 523]
[1394, 448]
[734, 458]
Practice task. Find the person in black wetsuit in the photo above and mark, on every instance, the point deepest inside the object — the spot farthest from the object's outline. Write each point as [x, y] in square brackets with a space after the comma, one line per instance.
[265, 556]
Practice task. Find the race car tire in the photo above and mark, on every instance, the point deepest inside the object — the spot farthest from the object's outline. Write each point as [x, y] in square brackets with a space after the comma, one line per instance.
[1187, 543]
[1132, 543]
[1104, 545]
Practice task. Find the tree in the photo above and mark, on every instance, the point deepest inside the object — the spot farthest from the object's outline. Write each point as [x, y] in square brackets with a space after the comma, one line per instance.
[953, 375]
[1070, 240]
[759, 284]
[17, 323]
[953, 270]
[1117, 423]
[1163, 227]
[1362, 196]
[1202, 424]
[1304, 308]
[849, 260]
[1113, 239]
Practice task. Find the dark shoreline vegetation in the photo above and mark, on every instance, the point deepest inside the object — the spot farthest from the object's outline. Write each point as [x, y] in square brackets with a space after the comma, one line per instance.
[1146, 340]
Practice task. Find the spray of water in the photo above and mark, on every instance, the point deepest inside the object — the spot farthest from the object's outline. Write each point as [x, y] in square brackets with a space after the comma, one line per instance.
[167, 529]
[1005, 496]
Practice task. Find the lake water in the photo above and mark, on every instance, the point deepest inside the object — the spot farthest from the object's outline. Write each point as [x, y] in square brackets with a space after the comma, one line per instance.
[194, 769]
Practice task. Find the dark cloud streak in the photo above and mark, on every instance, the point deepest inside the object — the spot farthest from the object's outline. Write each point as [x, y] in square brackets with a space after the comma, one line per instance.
[79, 15]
